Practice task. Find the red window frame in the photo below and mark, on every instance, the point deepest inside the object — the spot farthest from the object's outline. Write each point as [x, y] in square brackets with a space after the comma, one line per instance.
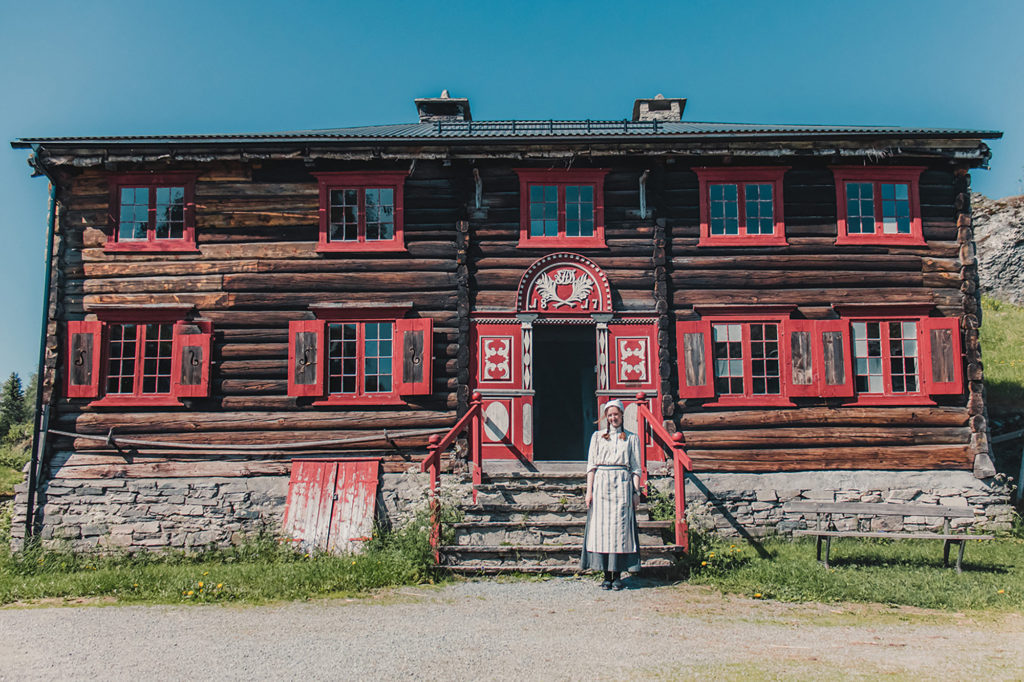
[173, 316]
[883, 315]
[561, 179]
[741, 177]
[361, 181]
[153, 182]
[748, 397]
[909, 175]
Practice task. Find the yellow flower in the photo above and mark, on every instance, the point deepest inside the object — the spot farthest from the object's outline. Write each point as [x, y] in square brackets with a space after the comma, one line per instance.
[200, 591]
[135, 585]
[189, 593]
[220, 585]
[731, 546]
[353, 563]
[703, 563]
[712, 555]
[757, 595]
[1000, 591]
[200, 583]
[206, 573]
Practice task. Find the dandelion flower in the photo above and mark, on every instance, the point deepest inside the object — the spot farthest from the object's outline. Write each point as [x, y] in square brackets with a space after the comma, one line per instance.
[353, 563]
[189, 593]
[712, 555]
[757, 595]
[220, 585]
[732, 546]
[1000, 591]
[135, 585]
[703, 563]
[206, 573]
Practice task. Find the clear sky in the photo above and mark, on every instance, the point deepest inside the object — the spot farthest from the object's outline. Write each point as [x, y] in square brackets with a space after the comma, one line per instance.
[119, 68]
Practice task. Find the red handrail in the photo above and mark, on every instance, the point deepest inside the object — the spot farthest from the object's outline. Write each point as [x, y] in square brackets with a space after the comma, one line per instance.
[437, 444]
[672, 445]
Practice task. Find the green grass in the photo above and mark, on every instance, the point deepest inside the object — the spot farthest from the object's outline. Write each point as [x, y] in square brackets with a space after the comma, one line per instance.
[1002, 352]
[259, 571]
[904, 572]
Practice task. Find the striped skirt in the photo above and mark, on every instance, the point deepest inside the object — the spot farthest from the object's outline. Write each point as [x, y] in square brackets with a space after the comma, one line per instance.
[611, 541]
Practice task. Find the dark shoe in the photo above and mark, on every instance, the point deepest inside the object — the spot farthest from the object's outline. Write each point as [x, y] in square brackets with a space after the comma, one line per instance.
[606, 585]
[617, 585]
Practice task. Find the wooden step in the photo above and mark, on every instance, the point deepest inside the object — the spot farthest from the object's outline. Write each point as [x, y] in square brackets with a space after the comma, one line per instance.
[647, 525]
[653, 564]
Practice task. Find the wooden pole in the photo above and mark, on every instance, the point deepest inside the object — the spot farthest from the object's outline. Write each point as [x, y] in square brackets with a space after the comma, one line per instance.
[679, 473]
[435, 522]
[641, 427]
[475, 440]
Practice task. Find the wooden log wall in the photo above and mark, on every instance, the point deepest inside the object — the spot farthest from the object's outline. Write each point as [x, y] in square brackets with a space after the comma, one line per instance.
[257, 269]
[815, 274]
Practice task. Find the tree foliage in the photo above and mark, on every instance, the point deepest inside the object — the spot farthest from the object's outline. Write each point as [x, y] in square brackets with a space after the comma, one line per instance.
[12, 404]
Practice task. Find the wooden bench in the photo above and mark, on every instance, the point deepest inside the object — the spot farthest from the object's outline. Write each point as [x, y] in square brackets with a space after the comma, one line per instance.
[826, 528]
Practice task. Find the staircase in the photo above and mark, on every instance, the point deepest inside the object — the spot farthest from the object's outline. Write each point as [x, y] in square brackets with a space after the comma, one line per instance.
[533, 522]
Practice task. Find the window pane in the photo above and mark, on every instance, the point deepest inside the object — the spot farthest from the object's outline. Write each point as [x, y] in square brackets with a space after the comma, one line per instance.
[134, 214]
[377, 350]
[544, 210]
[867, 355]
[380, 214]
[728, 355]
[759, 208]
[121, 358]
[344, 215]
[895, 208]
[579, 211]
[765, 372]
[903, 356]
[724, 210]
[170, 213]
[860, 208]
[341, 357]
[156, 358]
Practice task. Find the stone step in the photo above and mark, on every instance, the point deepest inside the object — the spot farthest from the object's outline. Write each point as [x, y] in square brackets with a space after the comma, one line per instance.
[544, 532]
[539, 558]
[539, 511]
[655, 564]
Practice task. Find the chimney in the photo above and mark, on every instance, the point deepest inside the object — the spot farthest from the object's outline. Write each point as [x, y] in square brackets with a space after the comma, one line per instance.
[443, 108]
[659, 109]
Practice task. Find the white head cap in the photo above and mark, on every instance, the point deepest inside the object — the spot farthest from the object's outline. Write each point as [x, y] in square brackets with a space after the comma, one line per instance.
[614, 403]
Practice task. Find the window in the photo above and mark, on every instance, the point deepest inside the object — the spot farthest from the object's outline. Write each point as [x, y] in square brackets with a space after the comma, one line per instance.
[152, 212]
[561, 208]
[741, 206]
[139, 357]
[878, 206]
[355, 355]
[361, 211]
[885, 357]
[874, 355]
[359, 357]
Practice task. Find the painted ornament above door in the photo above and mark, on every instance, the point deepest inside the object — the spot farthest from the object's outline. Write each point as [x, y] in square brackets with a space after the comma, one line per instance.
[564, 284]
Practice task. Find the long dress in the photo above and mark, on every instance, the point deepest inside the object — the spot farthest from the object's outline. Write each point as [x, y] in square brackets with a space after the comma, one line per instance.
[611, 541]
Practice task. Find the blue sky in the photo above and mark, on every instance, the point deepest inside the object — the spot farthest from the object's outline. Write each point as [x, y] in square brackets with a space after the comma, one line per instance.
[114, 68]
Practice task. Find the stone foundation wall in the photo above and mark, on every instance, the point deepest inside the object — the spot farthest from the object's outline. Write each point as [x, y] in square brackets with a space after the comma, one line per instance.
[753, 504]
[188, 513]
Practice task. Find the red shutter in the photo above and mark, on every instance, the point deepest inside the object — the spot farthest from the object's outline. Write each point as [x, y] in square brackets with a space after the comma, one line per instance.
[695, 359]
[306, 358]
[413, 353]
[633, 353]
[834, 361]
[802, 373]
[84, 339]
[941, 356]
[191, 361]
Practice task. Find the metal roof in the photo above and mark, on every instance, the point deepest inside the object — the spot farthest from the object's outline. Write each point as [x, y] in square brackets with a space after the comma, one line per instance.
[526, 130]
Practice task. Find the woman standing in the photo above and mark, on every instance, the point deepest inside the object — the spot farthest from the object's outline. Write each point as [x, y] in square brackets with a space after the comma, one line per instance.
[611, 542]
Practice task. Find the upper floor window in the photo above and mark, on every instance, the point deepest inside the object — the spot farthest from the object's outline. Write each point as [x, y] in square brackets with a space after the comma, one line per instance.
[561, 208]
[152, 212]
[741, 206]
[361, 211]
[139, 356]
[878, 206]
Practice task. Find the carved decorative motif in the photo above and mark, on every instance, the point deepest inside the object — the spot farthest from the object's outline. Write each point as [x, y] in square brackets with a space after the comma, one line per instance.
[496, 358]
[632, 354]
[564, 283]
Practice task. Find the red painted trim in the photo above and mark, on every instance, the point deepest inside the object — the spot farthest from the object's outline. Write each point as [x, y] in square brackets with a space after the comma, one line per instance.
[794, 390]
[887, 396]
[905, 174]
[181, 341]
[361, 181]
[410, 387]
[145, 400]
[773, 312]
[295, 327]
[360, 396]
[867, 400]
[647, 332]
[740, 176]
[706, 389]
[882, 311]
[930, 385]
[848, 386]
[185, 179]
[513, 330]
[95, 329]
[560, 178]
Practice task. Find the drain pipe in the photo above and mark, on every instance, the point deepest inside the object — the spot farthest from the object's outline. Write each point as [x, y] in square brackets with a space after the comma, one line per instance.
[42, 412]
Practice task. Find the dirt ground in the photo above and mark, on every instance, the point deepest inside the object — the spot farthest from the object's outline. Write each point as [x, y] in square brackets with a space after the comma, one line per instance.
[554, 629]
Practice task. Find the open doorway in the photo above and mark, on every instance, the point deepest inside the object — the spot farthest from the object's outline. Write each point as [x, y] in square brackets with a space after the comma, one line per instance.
[565, 385]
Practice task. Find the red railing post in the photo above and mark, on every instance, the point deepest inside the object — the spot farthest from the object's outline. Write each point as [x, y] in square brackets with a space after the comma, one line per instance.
[476, 440]
[641, 427]
[434, 457]
[679, 473]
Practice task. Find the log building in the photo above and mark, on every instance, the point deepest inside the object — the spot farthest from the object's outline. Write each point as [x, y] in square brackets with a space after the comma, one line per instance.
[237, 324]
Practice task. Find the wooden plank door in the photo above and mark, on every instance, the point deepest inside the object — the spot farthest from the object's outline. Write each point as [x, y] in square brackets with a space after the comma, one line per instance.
[331, 504]
[355, 498]
[308, 511]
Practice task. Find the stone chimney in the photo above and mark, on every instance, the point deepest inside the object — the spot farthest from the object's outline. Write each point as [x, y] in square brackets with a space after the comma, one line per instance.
[443, 108]
[659, 109]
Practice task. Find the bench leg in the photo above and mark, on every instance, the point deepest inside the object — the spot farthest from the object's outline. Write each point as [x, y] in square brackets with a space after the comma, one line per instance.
[945, 553]
[960, 556]
[817, 549]
[828, 549]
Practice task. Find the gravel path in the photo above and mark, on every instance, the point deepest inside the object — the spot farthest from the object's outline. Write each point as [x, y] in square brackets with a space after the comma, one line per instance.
[562, 628]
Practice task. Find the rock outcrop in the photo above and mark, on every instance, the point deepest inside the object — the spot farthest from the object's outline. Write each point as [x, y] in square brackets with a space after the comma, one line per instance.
[999, 234]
